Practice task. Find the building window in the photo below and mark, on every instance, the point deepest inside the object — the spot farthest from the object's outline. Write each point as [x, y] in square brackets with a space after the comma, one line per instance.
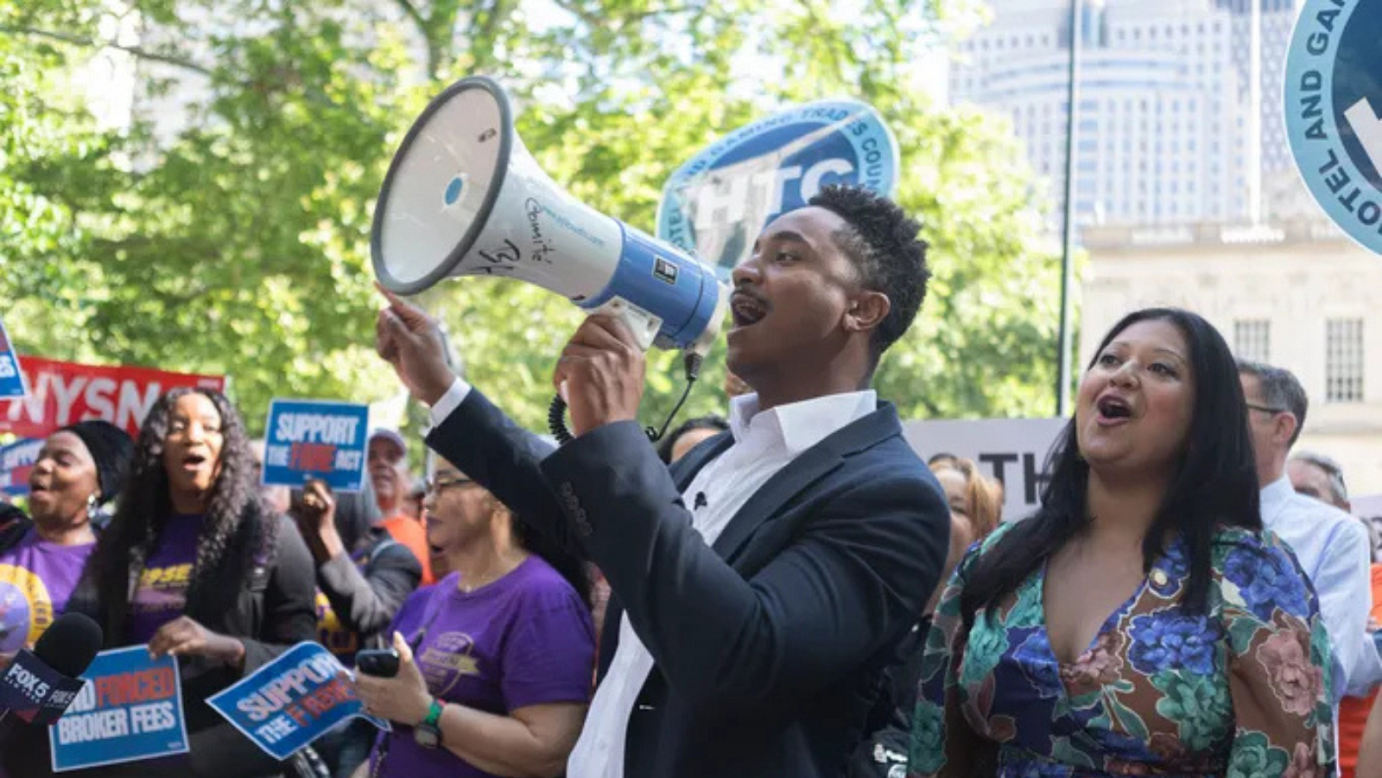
[1343, 361]
[1252, 339]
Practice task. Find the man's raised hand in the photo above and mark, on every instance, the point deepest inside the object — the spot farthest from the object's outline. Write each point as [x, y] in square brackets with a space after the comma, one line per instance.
[411, 341]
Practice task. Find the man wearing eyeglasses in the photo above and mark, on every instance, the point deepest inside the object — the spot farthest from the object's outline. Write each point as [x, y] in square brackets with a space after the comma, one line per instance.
[1331, 545]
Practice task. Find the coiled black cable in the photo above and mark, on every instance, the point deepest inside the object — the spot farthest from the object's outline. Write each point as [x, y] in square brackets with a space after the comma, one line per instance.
[556, 412]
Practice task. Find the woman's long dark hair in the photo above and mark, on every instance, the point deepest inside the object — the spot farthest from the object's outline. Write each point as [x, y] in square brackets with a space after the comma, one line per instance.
[1215, 482]
[145, 506]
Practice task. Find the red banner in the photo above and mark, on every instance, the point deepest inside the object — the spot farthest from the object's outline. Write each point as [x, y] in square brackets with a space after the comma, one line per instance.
[61, 393]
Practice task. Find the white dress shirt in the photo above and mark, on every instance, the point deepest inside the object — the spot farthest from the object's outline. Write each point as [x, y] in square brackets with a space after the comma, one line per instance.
[1333, 549]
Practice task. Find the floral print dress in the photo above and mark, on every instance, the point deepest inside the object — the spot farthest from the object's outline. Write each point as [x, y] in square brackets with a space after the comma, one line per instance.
[1240, 691]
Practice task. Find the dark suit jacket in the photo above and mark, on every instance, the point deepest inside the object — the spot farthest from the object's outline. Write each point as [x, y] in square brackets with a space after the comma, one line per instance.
[768, 646]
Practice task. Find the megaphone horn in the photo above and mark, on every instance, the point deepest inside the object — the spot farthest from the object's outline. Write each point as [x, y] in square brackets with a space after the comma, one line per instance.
[463, 197]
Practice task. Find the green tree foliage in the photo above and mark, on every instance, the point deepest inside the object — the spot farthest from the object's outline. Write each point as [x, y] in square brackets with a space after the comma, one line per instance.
[238, 242]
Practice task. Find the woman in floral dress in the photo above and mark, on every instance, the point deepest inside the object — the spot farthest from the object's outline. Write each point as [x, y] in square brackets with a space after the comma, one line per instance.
[1141, 623]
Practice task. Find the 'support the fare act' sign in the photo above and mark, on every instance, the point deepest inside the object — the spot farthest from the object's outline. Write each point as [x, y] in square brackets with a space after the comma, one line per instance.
[130, 709]
[291, 701]
[317, 439]
[62, 393]
[16, 463]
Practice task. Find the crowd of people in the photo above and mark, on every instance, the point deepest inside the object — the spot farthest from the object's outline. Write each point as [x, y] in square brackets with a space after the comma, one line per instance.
[787, 590]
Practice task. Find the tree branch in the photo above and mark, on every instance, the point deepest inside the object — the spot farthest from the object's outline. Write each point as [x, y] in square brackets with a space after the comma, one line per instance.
[141, 53]
[412, 13]
[312, 95]
[592, 20]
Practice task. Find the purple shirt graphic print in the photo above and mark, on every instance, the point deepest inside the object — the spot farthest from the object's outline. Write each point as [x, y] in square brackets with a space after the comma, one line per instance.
[161, 594]
[36, 579]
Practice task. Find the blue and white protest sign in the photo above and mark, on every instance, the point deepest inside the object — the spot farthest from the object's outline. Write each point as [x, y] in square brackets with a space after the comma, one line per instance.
[1333, 97]
[130, 709]
[16, 462]
[12, 382]
[316, 439]
[716, 203]
[291, 701]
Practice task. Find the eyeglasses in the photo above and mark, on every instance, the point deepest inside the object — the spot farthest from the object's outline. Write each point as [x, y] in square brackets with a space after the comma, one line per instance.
[1266, 409]
[437, 485]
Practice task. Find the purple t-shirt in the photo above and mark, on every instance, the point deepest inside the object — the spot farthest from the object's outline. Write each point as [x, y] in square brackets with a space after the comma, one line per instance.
[36, 579]
[161, 594]
[526, 639]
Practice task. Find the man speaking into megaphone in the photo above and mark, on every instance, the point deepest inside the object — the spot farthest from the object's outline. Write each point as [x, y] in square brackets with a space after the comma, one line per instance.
[761, 584]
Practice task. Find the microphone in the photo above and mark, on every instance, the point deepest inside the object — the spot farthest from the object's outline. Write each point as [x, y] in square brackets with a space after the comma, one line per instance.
[38, 686]
[700, 502]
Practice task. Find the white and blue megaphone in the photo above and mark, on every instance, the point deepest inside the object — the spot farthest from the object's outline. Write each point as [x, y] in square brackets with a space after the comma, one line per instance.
[463, 197]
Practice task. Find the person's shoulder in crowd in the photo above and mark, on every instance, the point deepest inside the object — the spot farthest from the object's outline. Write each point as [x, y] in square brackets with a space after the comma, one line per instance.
[416, 602]
[379, 543]
[1321, 516]
[409, 531]
[537, 581]
[981, 546]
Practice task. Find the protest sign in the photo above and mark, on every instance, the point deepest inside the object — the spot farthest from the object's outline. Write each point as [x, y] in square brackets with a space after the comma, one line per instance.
[16, 462]
[316, 439]
[1011, 451]
[64, 393]
[11, 377]
[291, 701]
[1333, 128]
[129, 709]
[717, 202]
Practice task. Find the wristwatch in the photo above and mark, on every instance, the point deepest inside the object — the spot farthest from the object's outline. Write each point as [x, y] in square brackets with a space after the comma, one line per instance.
[428, 731]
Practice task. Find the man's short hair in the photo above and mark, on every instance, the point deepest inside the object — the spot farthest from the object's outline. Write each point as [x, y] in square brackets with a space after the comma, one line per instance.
[1280, 389]
[884, 245]
[1331, 469]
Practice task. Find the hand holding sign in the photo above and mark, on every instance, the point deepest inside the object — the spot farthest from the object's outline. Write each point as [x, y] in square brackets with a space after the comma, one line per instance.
[404, 697]
[185, 637]
[291, 701]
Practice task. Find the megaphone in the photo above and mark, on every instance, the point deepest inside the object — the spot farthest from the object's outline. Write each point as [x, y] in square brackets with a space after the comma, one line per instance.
[464, 197]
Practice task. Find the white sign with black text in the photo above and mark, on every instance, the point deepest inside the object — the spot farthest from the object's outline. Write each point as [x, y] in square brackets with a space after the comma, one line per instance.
[1012, 451]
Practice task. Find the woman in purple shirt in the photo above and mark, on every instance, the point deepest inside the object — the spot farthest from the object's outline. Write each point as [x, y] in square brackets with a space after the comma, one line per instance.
[196, 566]
[79, 468]
[496, 657]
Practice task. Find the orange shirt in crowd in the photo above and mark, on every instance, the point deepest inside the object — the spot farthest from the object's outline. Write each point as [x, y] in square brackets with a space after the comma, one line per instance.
[409, 531]
[1353, 711]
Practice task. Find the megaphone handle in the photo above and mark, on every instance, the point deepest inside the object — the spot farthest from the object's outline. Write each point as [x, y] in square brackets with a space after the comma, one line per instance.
[556, 412]
[641, 323]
